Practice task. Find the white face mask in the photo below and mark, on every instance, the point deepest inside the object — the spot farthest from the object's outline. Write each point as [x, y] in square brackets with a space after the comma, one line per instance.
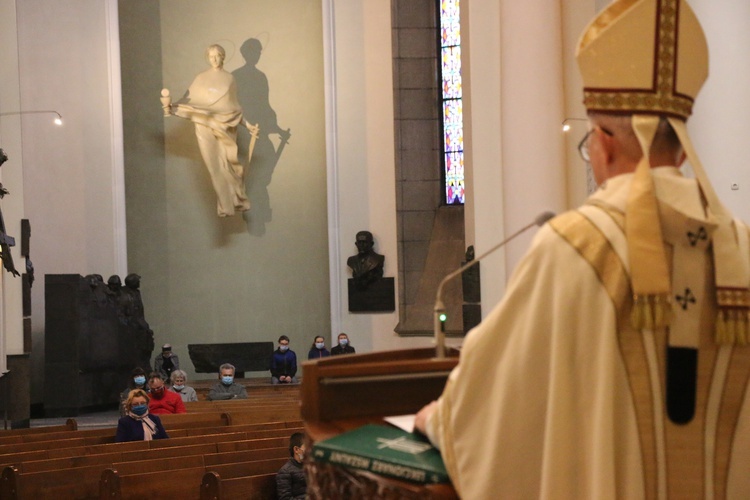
[320, 345]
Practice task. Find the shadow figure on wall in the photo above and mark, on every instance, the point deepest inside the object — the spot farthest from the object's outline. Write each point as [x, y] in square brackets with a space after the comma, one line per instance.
[253, 96]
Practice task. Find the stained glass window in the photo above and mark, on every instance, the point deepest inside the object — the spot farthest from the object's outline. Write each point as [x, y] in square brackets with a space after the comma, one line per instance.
[452, 105]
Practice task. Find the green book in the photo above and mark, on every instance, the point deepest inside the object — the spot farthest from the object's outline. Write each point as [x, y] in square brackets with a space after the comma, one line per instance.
[387, 451]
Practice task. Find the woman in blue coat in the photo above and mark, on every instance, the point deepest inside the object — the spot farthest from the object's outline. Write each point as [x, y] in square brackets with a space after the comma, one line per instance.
[137, 424]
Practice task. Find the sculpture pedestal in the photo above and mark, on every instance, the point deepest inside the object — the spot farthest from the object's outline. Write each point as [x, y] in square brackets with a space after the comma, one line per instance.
[378, 296]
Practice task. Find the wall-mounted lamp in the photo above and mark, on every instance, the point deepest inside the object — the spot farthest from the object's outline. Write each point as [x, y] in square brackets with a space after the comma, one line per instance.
[58, 118]
[566, 125]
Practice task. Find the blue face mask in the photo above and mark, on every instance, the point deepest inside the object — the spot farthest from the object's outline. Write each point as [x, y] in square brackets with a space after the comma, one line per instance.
[283, 348]
[343, 342]
[227, 380]
[139, 380]
[139, 410]
[320, 345]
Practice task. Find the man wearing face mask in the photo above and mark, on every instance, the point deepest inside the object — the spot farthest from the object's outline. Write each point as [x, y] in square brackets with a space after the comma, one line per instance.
[290, 480]
[227, 388]
[283, 363]
[343, 347]
[162, 400]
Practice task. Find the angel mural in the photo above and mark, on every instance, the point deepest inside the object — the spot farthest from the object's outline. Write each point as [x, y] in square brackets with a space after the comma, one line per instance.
[211, 104]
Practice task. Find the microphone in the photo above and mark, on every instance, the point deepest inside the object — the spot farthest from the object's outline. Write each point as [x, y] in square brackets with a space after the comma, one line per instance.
[439, 326]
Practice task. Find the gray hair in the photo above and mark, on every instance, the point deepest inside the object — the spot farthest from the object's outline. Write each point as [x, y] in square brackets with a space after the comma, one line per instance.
[665, 140]
[178, 373]
[227, 366]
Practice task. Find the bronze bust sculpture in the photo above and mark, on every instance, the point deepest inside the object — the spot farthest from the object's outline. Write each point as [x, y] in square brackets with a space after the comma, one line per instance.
[367, 265]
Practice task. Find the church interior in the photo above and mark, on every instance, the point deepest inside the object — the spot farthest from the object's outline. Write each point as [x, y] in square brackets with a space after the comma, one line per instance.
[346, 94]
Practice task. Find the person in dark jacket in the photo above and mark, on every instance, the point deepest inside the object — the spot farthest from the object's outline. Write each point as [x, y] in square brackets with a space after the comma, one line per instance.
[137, 424]
[318, 349]
[227, 388]
[283, 363]
[166, 362]
[137, 381]
[343, 347]
[290, 480]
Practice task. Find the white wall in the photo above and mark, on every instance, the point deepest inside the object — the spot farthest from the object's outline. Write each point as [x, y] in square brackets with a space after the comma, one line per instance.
[11, 325]
[71, 187]
[720, 124]
[362, 191]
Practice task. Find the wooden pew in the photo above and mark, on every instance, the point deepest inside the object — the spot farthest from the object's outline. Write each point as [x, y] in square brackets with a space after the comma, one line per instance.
[261, 386]
[192, 420]
[80, 476]
[69, 425]
[97, 448]
[73, 482]
[245, 455]
[42, 445]
[207, 450]
[183, 483]
[260, 487]
[265, 415]
[89, 440]
[252, 444]
[53, 436]
[16, 458]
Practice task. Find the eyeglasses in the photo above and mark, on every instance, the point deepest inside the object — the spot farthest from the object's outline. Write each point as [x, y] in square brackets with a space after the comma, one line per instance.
[583, 146]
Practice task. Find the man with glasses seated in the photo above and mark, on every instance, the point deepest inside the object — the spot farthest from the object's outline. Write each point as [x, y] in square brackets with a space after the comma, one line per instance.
[617, 364]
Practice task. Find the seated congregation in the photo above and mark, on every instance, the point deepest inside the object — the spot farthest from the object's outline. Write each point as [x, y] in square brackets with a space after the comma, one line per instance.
[225, 438]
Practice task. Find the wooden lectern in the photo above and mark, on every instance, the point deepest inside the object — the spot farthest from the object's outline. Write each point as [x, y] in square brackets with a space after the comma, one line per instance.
[340, 393]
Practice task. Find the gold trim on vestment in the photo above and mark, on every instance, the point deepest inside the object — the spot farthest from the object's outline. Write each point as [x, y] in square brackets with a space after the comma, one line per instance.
[595, 248]
[578, 231]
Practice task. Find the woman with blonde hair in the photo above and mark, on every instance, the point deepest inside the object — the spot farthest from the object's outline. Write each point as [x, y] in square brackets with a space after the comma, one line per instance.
[137, 424]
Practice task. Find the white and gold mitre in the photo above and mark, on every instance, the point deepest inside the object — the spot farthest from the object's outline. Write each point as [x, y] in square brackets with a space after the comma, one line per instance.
[643, 56]
[649, 59]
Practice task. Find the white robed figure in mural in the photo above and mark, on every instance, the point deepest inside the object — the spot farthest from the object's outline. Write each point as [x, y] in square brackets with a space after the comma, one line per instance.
[211, 104]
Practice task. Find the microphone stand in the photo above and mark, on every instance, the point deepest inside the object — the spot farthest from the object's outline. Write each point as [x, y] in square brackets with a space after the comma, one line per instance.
[438, 324]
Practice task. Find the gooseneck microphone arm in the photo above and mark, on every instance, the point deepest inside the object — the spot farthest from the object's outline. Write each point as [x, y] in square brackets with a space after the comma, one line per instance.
[438, 325]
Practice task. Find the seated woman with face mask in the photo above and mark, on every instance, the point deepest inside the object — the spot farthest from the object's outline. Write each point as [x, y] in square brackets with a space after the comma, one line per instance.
[187, 393]
[137, 381]
[318, 349]
[137, 424]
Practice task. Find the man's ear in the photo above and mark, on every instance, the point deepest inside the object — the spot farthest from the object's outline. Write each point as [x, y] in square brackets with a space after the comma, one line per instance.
[608, 145]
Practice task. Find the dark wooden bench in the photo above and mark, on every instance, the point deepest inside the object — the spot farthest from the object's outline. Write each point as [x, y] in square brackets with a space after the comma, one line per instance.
[69, 425]
[193, 420]
[252, 444]
[183, 483]
[260, 487]
[79, 477]
[53, 436]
